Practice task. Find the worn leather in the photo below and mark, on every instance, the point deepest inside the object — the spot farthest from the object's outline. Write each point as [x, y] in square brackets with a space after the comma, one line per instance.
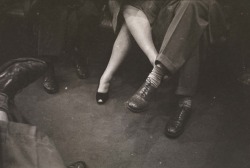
[176, 124]
[19, 73]
[50, 84]
[140, 100]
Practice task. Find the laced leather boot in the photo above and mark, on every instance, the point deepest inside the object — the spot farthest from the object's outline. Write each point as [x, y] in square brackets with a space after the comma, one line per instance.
[176, 124]
[140, 100]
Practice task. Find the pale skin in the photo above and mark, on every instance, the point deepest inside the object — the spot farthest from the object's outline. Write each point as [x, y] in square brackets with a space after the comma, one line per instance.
[136, 26]
[3, 116]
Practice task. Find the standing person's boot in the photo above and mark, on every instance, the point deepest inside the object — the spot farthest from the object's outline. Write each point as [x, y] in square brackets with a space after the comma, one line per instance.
[81, 65]
[50, 84]
[177, 122]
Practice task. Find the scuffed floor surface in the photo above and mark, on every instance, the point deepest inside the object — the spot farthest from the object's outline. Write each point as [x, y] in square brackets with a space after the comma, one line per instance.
[110, 136]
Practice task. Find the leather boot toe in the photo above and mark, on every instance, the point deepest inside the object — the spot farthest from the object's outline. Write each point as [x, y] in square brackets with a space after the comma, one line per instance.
[140, 100]
[50, 84]
[176, 124]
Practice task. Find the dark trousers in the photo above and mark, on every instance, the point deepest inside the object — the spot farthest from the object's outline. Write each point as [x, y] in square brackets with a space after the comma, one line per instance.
[62, 28]
[186, 23]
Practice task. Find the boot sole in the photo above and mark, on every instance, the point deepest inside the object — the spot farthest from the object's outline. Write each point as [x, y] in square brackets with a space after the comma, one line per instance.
[173, 136]
[136, 110]
[169, 135]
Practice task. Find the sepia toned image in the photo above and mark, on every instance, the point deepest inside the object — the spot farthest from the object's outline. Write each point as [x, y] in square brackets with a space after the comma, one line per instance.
[124, 84]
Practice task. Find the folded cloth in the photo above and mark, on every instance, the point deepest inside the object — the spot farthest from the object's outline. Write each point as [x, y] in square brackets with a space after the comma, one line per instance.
[24, 146]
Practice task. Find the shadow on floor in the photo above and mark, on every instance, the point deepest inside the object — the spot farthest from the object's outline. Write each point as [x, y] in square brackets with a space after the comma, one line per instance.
[110, 136]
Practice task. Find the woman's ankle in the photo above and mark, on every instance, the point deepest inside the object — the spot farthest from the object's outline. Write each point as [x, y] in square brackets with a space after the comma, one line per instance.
[103, 85]
[152, 61]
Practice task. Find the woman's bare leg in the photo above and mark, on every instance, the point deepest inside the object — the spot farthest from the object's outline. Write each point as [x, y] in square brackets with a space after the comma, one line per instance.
[140, 29]
[120, 48]
[3, 116]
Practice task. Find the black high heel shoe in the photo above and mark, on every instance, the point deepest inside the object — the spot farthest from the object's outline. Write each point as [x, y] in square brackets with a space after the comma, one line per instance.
[101, 98]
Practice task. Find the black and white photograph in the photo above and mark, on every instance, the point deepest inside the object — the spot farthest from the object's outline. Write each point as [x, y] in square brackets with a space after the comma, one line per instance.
[124, 83]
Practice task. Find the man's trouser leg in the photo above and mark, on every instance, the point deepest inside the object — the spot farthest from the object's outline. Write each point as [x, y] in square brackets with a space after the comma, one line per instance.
[87, 18]
[23, 146]
[188, 75]
[81, 23]
[51, 33]
[184, 33]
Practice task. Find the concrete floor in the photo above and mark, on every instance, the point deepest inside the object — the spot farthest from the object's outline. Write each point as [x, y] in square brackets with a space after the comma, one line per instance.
[110, 136]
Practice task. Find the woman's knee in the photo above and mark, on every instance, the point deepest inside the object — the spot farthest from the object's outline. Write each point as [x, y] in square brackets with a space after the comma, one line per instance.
[129, 10]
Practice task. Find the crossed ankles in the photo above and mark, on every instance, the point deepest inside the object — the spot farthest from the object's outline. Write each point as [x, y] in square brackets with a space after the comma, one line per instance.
[139, 102]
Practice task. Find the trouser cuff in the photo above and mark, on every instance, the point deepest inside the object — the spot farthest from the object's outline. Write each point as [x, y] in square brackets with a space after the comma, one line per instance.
[168, 64]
